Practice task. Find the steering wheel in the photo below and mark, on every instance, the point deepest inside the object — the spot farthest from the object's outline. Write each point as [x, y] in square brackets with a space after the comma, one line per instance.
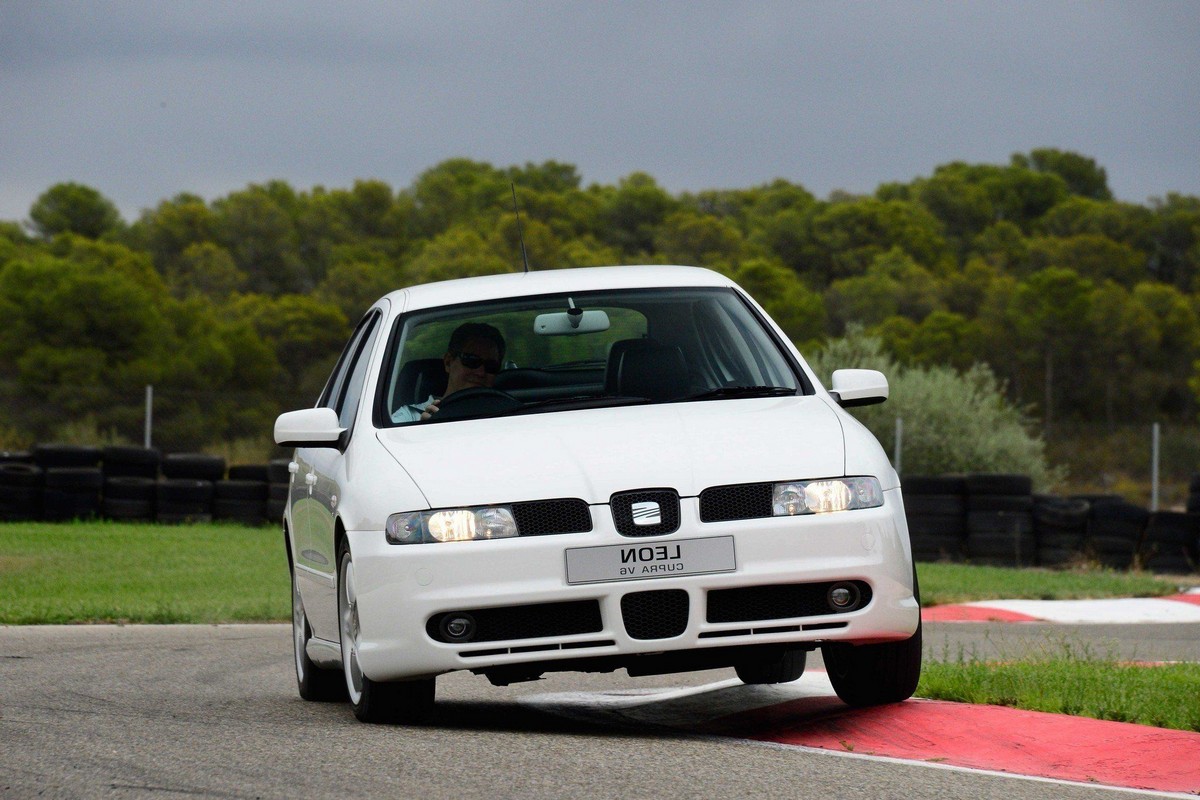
[478, 401]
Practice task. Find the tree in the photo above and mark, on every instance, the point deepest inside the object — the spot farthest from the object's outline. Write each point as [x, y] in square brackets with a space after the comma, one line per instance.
[632, 213]
[74, 208]
[260, 233]
[457, 252]
[841, 239]
[207, 269]
[687, 237]
[305, 335]
[1082, 175]
[894, 284]
[1045, 314]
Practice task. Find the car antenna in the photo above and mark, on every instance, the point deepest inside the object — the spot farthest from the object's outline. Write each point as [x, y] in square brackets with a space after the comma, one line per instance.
[520, 233]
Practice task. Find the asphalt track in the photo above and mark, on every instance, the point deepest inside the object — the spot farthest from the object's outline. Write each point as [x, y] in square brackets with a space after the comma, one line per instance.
[210, 711]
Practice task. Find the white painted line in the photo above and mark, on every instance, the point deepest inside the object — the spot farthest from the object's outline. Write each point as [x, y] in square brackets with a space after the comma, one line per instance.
[1118, 611]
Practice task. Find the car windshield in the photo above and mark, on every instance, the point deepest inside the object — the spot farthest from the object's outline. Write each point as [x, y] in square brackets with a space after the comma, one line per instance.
[583, 350]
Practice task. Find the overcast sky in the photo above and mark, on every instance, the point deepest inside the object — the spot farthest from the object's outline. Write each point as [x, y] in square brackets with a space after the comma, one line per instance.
[146, 99]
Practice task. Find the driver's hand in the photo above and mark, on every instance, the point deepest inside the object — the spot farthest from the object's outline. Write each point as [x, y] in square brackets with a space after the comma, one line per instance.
[430, 410]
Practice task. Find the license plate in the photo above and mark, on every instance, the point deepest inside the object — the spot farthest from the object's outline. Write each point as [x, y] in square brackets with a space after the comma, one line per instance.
[631, 562]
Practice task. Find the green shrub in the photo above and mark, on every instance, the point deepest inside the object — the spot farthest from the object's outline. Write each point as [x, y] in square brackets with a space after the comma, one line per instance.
[952, 422]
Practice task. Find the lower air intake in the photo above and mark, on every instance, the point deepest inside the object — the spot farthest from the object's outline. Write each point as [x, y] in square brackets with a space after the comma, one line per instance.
[655, 615]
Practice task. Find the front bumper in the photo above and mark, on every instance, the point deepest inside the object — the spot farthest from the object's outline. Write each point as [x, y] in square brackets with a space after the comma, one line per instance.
[402, 587]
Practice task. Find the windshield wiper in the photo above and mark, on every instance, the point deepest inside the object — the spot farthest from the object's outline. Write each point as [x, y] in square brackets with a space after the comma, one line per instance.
[729, 392]
[579, 401]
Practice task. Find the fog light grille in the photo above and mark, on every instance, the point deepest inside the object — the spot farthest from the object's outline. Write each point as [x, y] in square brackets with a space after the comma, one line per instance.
[780, 601]
[522, 622]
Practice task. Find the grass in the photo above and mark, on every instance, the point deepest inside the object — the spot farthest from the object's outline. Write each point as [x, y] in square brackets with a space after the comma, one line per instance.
[1072, 682]
[112, 572]
[961, 583]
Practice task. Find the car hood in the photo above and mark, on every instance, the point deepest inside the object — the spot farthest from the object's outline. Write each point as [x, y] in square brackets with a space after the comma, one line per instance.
[591, 454]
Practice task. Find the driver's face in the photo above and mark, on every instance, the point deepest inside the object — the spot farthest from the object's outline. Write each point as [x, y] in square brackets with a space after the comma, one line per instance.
[479, 352]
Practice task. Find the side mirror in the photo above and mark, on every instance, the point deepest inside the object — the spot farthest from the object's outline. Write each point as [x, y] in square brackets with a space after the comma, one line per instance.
[309, 427]
[859, 387]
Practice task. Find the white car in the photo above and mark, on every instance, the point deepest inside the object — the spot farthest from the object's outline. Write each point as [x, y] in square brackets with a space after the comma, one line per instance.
[643, 474]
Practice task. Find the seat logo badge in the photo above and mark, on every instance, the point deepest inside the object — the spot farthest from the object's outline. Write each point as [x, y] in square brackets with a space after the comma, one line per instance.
[647, 513]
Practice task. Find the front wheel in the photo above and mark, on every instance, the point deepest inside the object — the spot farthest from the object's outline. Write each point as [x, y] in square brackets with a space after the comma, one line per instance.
[373, 701]
[873, 674]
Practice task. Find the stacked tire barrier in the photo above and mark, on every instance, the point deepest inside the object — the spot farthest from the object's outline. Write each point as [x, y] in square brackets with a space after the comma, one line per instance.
[1171, 543]
[1115, 528]
[1000, 520]
[994, 519]
[936, 508]
[20, 487]
[1060, 529]
[134, 484]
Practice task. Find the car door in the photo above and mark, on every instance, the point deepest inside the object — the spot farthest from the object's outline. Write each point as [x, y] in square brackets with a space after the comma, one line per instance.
[316, 485]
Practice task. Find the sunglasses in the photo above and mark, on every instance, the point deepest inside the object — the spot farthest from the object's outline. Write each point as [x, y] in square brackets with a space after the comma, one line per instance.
[472, 361]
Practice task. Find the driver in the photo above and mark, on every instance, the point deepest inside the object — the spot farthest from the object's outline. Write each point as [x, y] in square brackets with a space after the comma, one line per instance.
[473, 358]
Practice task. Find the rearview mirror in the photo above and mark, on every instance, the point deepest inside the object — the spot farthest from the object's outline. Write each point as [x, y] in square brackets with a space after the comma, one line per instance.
[569, 323]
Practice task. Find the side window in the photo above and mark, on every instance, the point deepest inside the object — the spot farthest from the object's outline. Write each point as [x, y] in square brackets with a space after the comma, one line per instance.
[348, 403]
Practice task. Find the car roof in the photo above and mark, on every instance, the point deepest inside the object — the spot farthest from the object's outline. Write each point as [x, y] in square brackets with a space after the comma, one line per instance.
[583, 279]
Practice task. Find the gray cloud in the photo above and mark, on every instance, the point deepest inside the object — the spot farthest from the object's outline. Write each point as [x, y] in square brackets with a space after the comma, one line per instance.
[144, 100]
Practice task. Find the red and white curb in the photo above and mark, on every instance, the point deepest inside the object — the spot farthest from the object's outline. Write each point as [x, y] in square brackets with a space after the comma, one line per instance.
[1134, 610]
[806, 714]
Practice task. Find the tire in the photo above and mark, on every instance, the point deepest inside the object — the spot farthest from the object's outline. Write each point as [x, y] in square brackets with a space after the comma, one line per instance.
[193, 466]
[260, 473]
[1060, 512]
[72, 493]
[945, 505]
[47, 456]
[131, 462]
[933, 484]
[277, 470]
[777, 666]
[1001, 502]
[277, 500]
[20, 503]
[1057, 556]
[874, 674]
[313, 683]
[992, 483]
[128, 498]
[1169, 544]
[15, 473]
[373, 701]
[180, 500]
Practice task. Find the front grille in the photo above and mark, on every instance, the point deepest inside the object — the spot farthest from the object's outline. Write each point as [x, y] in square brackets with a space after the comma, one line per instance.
[524, 622]
[655, 615]
[664, 502]
[742, 501]
[540, 517]
[779, 601]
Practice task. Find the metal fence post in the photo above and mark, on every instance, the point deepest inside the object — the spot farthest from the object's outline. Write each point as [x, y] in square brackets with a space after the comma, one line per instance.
[899, 444]
[1154, 453]
[149, 415]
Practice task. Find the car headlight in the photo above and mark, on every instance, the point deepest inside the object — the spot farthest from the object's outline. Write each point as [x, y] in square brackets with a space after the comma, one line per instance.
[451, 525]
[824, 496]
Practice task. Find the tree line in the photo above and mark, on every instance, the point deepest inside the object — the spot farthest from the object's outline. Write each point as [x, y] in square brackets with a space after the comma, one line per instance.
[1084, 307]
